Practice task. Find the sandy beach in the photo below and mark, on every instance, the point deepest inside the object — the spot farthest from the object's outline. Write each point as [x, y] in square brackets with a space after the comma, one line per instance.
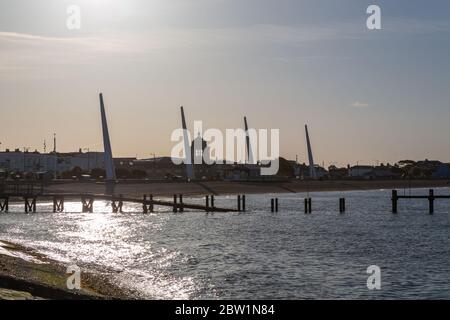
[28, 275]
[137, 189]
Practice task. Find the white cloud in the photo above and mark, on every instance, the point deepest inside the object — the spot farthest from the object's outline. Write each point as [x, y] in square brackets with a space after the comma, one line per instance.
[22, 53]
[43, 56]
[358, 104]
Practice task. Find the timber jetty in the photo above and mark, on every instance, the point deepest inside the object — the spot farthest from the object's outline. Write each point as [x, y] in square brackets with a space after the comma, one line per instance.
[87, 200]
[31, 193]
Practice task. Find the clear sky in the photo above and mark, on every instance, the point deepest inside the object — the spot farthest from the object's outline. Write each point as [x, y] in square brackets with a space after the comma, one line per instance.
[366, 95]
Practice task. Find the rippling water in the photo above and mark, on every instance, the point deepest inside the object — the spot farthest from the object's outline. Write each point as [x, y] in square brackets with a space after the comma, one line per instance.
[285, 255]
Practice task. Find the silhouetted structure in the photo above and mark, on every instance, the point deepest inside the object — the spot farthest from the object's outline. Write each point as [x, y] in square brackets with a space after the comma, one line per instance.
[109, 163]
[188, 160]
[312, 168]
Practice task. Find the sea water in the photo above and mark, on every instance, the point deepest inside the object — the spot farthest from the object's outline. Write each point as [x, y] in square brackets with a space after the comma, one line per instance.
[257, 254]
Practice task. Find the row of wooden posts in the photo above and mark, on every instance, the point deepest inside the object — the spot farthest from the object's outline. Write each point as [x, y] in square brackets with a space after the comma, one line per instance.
[87, 203]
[58, 204]
[431, 197]
[274, 205]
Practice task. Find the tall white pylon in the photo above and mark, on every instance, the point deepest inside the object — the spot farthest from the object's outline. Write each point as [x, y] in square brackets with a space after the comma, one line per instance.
[250, 157]
[109, 163]
[312, 168]
[187, 148]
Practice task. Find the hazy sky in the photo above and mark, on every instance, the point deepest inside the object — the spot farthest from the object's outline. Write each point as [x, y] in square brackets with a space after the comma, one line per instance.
[366, 95]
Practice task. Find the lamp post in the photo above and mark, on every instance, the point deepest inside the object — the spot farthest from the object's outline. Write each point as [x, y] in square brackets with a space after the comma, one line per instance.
[357, 166]
[25, 150]
[154, 163]
[89, 158]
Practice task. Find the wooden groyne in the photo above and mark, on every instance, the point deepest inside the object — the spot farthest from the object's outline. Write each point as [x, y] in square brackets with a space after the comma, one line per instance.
[148, 202]
[431, 197]
[87, 201]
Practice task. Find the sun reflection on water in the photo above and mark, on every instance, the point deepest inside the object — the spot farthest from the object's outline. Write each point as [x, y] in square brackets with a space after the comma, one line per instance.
[110, 243]
[256, 254]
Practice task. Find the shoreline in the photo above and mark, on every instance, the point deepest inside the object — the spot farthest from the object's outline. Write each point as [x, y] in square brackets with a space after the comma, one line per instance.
[28, 275]
[168, 189]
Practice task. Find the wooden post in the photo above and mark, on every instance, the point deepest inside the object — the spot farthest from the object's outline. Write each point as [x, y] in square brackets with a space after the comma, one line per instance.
[309, 205]
[180, 196]
[4, 204]
[272, 205]
[212, 201]
[54, 204]
[239, 202]
[342, 205]
[175, 203]
[117, 207]
[58, 204]
[394, 201]
[207, 203]
[147, 205]
[121, 203]
[30, 206]
[144, 204]
[431, 201]
[306, 205]
[276, 204]
[243, 202]
[87, 205]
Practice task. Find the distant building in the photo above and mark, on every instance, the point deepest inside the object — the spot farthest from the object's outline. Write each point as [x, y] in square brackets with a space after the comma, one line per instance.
[54, 163]
[337, 173]
[242, 172]
[321, 172]
[160, 168]
[303, 171]
[85, 161]
[442, 171]
[164, 168]
[203, 167]
[384, 172]
[18, 161]
[199, 150]
[360, 171]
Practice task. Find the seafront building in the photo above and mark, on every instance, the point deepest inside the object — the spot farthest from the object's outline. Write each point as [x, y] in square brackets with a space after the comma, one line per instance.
[70, 164]
[25, 161]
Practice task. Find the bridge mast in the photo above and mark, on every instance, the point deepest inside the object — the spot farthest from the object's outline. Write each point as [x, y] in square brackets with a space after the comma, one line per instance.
[109, 163]
[248, 145]
[312, 168]
[187, 149]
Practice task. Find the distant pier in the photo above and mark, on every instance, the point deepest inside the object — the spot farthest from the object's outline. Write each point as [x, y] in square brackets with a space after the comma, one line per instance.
[87, 201]
[30, 193]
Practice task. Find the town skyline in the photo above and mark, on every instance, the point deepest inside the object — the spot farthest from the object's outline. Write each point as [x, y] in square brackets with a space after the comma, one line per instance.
[306, 62]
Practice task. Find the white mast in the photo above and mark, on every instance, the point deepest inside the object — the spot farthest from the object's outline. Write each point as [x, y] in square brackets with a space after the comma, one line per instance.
[250, 158]
[312, 168]
[109, 163]
[187, 148]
